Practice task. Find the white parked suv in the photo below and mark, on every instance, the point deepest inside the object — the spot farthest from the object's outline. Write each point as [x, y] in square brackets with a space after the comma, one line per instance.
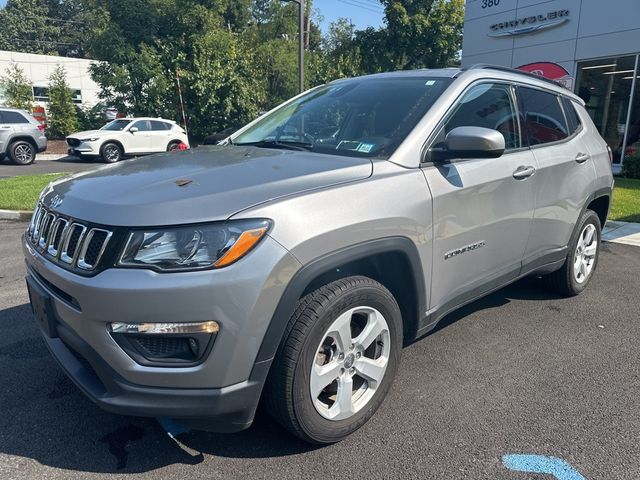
[127, 137]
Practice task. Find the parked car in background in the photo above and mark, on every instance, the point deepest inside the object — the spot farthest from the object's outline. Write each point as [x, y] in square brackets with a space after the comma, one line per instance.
[218, 137]
[125, 137]
[21, 136]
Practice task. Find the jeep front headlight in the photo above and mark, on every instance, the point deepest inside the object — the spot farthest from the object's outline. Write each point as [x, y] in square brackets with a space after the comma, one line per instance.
[194, 247]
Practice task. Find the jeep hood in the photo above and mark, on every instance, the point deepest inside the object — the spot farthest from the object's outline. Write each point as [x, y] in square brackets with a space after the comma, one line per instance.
[204, 184]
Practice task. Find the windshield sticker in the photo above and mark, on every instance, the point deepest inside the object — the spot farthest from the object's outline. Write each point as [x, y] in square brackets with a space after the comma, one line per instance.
[430, 82]
[365, 147]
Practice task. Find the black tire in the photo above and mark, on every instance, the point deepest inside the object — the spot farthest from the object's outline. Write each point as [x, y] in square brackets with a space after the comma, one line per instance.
[564, 281]
[22, 152]
[173, 146]
[287, 392]
[111, 152]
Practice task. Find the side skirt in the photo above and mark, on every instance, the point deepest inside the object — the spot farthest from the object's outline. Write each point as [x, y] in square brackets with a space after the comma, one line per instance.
[544, 264]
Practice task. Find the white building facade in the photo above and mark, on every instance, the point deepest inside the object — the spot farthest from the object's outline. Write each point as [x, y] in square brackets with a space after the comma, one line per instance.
[591, 46]
[38, 68]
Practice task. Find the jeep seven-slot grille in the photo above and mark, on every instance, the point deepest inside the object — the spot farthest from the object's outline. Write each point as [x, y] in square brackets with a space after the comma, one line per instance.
[67, 241]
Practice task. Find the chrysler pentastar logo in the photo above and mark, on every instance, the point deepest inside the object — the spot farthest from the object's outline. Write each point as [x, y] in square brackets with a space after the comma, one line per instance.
[530, 24]
[55, 202]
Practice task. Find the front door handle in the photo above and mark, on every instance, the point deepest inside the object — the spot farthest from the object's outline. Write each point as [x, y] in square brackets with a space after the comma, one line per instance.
[523, 172]
[582, 157]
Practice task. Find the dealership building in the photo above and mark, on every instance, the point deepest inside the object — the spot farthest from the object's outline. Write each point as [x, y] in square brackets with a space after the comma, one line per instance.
[38, 69]
[590, 46]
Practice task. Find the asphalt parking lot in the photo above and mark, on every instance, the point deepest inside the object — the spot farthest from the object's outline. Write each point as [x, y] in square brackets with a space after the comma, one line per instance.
[519, 372]
[65, 164]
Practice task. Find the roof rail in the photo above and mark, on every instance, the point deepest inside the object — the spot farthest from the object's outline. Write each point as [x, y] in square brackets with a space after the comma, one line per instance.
[499, 68]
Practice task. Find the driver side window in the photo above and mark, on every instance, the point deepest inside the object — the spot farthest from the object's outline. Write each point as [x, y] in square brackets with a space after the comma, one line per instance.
[142, 125]
[486, 105]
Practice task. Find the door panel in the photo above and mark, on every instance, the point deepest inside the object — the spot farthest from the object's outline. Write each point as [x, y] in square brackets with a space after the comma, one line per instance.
[478, 204]
[481, 213]
[159, 136]
[140, 141]
[6, 131]
[564, 172]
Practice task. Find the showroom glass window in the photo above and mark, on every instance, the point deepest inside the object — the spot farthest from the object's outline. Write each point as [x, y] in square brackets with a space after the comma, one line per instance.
[606, 87]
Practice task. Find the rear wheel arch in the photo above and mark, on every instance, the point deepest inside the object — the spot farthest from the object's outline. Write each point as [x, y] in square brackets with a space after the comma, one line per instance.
[21, 138]
[600, 205]
[393, 261]
[175, 141]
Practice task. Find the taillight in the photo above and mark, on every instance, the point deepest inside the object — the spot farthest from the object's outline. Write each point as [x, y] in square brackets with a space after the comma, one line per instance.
[41, 127]
[610, 154]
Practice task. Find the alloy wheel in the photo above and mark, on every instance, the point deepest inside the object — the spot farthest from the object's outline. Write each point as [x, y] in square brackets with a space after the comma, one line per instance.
[112, 153]
[585, 254]
[24, 153]
[350, 363]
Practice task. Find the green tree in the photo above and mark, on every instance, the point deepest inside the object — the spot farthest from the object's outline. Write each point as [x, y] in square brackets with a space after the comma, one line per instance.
[18, 91]
[63, 119]
[422, 33]
[143, 45]
[53, 27]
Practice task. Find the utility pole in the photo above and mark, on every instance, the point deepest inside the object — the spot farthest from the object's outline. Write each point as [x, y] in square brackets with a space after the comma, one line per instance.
[301, 12]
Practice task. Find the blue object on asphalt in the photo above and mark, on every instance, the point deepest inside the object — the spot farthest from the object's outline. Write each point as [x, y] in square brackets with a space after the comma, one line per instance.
[541, 464]
[172, 427]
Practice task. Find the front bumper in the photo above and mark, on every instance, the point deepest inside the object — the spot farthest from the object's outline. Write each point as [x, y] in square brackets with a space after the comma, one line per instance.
[224, 388]
[85, 148]
[227, 409]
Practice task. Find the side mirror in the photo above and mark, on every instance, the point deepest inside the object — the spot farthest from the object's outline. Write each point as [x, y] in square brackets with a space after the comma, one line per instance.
[133, 129]
[470, 142]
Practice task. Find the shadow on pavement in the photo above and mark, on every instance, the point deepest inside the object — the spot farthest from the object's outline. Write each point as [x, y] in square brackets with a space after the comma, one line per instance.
[46, 418]
[529, 288]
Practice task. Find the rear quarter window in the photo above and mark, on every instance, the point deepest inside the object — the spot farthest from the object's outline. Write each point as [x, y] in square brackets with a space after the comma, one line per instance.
[14, 117]
[573, 120]
[157, 125]
[544, 119]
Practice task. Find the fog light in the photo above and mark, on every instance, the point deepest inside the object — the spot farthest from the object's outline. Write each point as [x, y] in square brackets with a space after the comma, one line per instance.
[166, 344]
[164, 328]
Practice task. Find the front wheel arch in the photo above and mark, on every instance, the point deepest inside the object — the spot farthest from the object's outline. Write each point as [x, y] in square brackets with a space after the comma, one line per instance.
[325, 269]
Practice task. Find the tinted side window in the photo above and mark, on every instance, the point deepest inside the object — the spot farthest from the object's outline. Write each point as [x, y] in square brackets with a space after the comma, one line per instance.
[142, 125]
[573, 119]
[544, 120]
[14, 117]
[157, 125]
[487, 105]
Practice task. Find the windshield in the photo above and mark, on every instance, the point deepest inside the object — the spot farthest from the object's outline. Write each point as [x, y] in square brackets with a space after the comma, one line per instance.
[360, 117]
[118, 125]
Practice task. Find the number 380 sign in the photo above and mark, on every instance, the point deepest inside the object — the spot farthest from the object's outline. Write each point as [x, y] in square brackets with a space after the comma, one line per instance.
[489, 3]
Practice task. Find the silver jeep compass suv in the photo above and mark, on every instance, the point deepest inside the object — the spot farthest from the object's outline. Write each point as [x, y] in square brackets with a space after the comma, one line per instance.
[293, 261]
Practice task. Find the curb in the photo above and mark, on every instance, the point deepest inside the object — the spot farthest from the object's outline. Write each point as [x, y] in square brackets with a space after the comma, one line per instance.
[16, 215]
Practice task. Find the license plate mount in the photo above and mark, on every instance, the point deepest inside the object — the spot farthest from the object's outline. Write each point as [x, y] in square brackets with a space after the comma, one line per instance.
[42, 308]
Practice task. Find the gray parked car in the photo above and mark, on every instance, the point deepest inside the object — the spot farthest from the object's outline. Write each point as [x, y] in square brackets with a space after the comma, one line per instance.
[21, 136]
[291, 263]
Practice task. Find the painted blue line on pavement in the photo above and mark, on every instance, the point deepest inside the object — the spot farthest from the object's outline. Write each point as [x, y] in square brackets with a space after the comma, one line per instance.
[541, 464]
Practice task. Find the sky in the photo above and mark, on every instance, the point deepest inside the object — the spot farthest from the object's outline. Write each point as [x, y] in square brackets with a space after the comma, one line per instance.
[363, 13]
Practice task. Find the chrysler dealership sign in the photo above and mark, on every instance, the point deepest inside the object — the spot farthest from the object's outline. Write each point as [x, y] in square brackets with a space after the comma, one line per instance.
[524, 25]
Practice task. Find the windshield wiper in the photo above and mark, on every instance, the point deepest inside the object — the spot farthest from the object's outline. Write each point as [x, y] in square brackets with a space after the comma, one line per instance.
[300, 146]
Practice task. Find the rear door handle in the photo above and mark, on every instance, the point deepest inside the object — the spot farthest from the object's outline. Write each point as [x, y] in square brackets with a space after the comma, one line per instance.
[523, 172]
[582, 157]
